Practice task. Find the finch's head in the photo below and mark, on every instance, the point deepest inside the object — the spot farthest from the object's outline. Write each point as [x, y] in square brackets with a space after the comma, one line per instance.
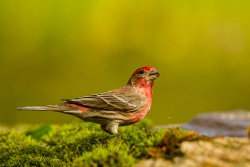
[144, 76]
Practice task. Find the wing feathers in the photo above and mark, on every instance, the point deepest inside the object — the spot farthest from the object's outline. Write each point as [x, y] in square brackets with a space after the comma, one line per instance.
[111, 101]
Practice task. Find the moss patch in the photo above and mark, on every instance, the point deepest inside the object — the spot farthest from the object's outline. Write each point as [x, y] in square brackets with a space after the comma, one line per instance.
[169, 147]
[84, 144]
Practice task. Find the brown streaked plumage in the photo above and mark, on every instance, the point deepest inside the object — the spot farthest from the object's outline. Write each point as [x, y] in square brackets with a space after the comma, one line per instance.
[123, 106]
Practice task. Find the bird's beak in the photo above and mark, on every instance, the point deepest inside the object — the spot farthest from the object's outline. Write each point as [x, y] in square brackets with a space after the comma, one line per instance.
[153, 74]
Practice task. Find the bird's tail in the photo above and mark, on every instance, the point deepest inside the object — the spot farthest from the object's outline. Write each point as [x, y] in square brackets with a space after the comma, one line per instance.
[46, 108]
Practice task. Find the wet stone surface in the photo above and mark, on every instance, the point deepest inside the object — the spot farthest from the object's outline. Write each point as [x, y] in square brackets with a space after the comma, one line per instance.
[232, 124]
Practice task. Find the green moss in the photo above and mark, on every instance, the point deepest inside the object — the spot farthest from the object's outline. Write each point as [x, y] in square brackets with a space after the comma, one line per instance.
[109, 156]
[39, 132]
[19, 150]
[169, 147]
[84, 144]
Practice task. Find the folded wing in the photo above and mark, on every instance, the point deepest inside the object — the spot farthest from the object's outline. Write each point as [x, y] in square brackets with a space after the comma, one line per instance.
[109, 101]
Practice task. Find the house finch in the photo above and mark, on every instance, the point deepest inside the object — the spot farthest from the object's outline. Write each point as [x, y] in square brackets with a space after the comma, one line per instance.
[123, 106]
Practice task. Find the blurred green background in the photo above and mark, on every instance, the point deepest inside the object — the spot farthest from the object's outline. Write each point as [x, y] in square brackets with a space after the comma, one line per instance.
[54, 49]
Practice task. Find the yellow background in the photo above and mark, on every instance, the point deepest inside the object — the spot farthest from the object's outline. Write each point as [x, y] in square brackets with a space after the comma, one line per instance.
[54, 49]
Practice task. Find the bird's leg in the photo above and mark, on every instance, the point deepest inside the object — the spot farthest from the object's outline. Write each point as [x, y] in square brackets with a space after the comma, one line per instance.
[103, 127]
[111, 128]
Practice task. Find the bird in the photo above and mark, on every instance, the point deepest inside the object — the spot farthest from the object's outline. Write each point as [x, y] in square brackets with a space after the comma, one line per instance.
[119, 107]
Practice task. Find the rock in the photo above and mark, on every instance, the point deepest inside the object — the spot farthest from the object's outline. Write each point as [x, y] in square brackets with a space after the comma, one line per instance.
[221, 152]
[232, 124]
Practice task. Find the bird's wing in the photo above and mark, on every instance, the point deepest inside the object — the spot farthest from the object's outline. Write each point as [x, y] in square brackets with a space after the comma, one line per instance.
[110, 101]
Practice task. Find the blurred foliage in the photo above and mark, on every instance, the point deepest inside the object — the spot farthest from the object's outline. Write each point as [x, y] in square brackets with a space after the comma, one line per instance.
[248, 131]
[56, 49]
[82, 144]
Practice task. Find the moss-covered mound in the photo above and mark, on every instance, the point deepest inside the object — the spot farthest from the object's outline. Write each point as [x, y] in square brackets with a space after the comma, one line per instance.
[84, 144]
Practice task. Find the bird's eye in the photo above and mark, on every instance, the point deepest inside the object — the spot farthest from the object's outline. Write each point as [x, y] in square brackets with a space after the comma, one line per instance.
[141, 72]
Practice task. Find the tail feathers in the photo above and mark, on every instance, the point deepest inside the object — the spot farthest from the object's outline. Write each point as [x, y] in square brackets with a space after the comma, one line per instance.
[46, 108]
